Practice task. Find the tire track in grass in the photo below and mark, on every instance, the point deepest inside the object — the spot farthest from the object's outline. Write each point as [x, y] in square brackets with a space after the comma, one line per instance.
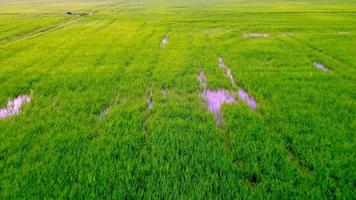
[127, 63]
[25, 141]
[254, 176]
[182, 140]
[43, 139]
[292, 155]
[241, 93]
[96, 124]
[124, 135]
[218, 63]
[58, 27]
[150, 102]
[23, 71]
[37, 31]
[150, 84]
[46, 29]
[37, 64]
[37, 59]
[318, 51]
[125, 152]
[118, 107]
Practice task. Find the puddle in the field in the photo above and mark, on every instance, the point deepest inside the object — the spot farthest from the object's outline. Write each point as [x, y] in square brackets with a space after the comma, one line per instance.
[103, 113]
[164, 41]
[227, 70]
[221, 63]
[202, 80]
[256, 35]
[150, 101]
[13, 106]
[247, 98]
[321, 66]
[215, 100]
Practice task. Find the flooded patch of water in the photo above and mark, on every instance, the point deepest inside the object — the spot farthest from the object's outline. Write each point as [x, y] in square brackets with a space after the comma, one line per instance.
[103, 114]
[164, 41]
[227, 70]
[229, 75]
[13, 106]
[150, 100]
[321, 66]
[215, 100]
[248, 99]
[256, 35]
[221, 63]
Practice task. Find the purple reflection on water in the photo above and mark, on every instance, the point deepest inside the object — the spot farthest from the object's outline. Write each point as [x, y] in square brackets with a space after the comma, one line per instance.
[246, 98]
[14, 106]
[216, 98]
[321, 66]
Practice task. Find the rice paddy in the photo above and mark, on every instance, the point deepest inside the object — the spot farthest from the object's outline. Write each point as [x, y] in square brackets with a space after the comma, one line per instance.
[161, 99]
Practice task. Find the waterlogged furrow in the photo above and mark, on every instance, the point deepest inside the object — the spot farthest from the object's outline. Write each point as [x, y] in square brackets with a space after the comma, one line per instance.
[321, 66]
[150, 100]
[227, 70]
[215, 99]
[243, 95]
[256, 35]
[174, 137]
[164, 41]
[202, 80]
[14, 106]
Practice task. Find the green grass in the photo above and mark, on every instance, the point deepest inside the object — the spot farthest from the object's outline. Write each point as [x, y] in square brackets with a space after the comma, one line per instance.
[299, 144]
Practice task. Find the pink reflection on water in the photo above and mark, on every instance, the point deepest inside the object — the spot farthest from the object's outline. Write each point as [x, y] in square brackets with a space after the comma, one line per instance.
[216, 98]
[14, 106]
[246, 98]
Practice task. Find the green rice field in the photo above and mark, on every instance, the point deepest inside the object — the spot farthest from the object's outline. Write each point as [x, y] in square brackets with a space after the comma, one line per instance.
[178, 99]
